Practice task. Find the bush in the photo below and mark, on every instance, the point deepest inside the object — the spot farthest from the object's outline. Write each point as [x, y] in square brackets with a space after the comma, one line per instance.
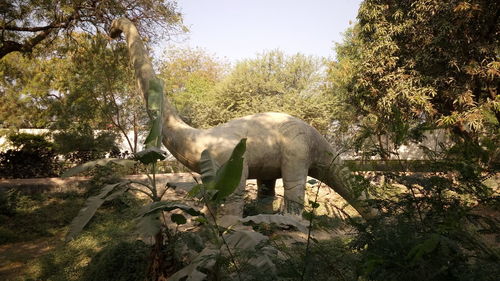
[81, 144]
[32, 157]
[427, 233]
[103, 175]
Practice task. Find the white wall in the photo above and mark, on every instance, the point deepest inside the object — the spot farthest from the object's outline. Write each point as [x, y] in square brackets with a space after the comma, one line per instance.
[122, 142]
[410, 151]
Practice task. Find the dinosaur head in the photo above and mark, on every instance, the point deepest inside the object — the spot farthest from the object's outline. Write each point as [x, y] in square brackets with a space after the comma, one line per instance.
[117, 27]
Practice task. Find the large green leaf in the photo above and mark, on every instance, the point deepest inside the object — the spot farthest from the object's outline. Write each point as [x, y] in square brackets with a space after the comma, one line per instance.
[101, 162]
[155, 96]
[228, 177]
[196, 191]
[155, 109]
[204, 261]
[87, 212]
[178, 219]
[169, 206]
[208, 167]
[149, 225]
[279, 220]
[149, 218]
[155, 133]
[245, 240]
[150, 155]
[119, 191]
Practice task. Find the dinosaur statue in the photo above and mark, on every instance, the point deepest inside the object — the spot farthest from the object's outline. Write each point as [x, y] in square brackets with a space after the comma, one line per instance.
[278, 145]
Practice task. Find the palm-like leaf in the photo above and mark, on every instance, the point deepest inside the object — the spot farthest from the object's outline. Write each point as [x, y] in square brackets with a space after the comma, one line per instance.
[91, 206]
[101, 162]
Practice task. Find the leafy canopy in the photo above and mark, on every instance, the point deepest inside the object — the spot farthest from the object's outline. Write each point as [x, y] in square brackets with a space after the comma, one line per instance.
[26, 24]
[411, 65]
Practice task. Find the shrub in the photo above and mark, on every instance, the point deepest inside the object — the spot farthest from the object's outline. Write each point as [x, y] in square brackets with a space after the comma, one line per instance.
[81, 144]
[427, 233]
[32, 157]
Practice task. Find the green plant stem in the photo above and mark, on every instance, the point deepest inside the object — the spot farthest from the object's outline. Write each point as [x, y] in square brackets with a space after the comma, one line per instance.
[150, 180]
[311, 218]
[418, 208]
[169, 235]
[142, 191]
[153, 183]
[163, 193]
[224, 241]
[149, 187]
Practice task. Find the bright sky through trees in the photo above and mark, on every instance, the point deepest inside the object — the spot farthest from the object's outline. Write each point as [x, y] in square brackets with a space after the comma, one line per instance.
[238, 29]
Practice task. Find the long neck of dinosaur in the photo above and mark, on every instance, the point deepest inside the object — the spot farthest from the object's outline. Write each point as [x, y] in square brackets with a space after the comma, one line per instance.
[178, 137]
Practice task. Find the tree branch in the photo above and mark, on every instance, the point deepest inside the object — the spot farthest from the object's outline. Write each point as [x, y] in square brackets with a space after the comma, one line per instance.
[33, 29]
[28, 45]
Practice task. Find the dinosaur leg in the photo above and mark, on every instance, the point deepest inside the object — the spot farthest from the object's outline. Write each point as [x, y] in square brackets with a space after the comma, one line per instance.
[294, 182]
[265, 195]
[235, 202]
[295, 164]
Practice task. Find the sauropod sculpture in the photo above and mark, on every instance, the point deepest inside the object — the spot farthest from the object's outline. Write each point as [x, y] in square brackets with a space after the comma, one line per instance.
[278, 145]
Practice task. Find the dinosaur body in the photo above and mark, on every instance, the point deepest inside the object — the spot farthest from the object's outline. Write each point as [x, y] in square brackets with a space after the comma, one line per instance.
[278, 145]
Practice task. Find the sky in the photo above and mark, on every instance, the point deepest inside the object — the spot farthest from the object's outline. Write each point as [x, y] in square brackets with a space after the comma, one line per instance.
[239, 29]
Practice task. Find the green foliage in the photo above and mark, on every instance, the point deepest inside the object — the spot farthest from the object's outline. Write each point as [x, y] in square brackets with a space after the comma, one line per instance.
[125, 261]
[81, 144]
[18, 108]
[149, 222]
[327, 260]
[84, 85]
[271, 82]
[91, 206]
[221, 182]
[150, 155]
[168, 206]
[8, 202]
[28, 24]
[36, 216]
[32, 157]
[408, 66]
[427, 233]
[69, 261]
[190, 75]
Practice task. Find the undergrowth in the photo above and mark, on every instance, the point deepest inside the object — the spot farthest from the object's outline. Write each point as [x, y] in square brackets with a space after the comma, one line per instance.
[28, 217]
[431, 231]
[109, 238]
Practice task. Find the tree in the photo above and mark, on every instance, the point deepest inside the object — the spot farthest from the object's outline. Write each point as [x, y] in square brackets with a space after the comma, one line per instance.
[70, 92]
[26, 24]
[190, 74]
[409, 65]
[17, 109]
[98, 92]
[271, 82]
